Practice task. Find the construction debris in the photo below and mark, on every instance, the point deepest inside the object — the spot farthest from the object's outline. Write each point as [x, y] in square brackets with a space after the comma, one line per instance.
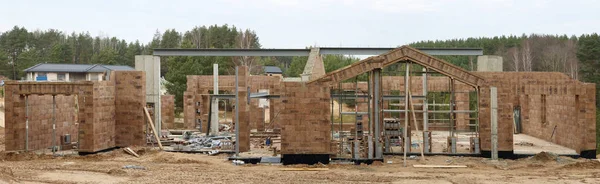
[238, 162]
[131, 152]
[134, 167]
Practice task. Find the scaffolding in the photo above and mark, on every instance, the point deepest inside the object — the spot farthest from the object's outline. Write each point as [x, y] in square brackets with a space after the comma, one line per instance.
[389, 109]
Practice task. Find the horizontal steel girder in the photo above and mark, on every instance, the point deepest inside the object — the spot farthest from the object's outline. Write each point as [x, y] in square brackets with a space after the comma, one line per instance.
[305, 52]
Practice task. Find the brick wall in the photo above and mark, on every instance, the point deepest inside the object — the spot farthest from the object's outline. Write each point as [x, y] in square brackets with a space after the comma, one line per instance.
[102, 128]
[40, 122]
[307, 127]
[547, 100]
[130, 99]
[40, 112]
[167, 104]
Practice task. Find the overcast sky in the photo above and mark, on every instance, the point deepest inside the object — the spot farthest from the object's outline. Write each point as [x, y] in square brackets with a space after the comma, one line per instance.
[300, 23]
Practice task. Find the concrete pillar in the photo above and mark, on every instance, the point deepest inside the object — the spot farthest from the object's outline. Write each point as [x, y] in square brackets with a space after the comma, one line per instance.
[214, 124]
[151, 66]
[489, 63]
[494, 121]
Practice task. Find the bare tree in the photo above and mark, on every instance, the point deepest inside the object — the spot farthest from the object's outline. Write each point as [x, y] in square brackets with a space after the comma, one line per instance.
[246, 40]
[515, 57]
[526, 55]
[196, 37]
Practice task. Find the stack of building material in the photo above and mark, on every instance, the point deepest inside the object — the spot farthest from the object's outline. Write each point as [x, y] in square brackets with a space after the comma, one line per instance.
[189, 109]
[167, 111]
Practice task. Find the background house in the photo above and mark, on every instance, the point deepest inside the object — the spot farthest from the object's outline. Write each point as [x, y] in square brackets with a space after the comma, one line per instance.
[273, 71]
[71, 72]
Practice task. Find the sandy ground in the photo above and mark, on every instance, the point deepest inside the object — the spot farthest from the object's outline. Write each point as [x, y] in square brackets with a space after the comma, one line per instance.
[164, 167]
[525, 144]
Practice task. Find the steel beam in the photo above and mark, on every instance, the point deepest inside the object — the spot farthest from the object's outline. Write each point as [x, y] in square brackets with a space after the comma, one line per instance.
[305, 52]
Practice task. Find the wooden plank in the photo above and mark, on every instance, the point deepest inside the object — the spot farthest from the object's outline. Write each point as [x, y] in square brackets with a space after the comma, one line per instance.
[412, 109]
[153, 129]
[440, 166]
[305, 169]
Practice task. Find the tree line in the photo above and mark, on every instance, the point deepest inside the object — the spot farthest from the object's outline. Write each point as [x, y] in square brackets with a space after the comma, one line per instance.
[576, 56]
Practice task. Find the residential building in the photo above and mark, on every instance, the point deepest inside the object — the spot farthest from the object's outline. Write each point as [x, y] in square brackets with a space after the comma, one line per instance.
[273, 71]
[71, 72]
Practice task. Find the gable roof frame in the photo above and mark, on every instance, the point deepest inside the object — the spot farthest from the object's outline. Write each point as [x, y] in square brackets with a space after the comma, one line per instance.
[404, 53]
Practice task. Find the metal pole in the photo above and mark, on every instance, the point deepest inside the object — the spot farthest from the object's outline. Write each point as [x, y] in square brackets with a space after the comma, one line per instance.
[452, 105]
[26, 122]
[370, 103]
[356, 136]
[356, 110]
[53, 123]
[477, 106]
[425, 106]
[237, 115]
[341, 119]
[406, 89]
[376, 111]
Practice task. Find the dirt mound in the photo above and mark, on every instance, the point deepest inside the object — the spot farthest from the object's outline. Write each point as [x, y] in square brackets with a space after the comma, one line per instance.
[590, 164]
[163, 157]
[545, 157]
[117, 172]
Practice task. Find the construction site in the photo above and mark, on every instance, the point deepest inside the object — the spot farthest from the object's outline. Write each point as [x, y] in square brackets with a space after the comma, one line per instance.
[401, 115]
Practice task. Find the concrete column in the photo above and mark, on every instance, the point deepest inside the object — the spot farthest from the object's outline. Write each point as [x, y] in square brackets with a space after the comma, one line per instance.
[214, 124]
[489, 63]
[494, 121]
[151, 66]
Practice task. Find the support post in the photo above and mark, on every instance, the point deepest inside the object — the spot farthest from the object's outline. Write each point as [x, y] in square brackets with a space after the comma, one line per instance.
[452, 105]
[341, 119]
[406, 92]
[214, 123]
[376, 112]
[425, 105]
[494, 121]
[26, 122]
[53, 123]
[237, 114]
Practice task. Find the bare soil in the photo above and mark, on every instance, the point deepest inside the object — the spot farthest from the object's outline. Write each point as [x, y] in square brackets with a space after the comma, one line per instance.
[165, 167]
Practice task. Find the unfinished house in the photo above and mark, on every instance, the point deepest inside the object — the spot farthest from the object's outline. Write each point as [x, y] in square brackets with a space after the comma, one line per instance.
[408, 98]
[86, 116]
